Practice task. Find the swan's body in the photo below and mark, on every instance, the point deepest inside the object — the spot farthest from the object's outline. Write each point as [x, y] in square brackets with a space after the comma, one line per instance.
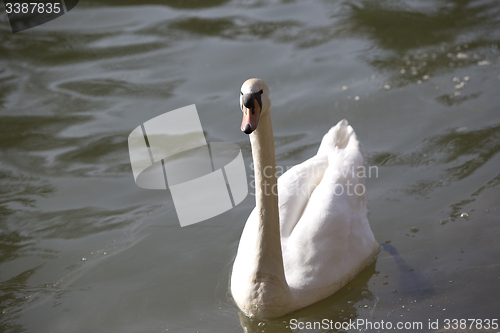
[309, 241]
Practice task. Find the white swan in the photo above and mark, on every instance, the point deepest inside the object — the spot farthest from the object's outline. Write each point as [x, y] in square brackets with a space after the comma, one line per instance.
[309, 241]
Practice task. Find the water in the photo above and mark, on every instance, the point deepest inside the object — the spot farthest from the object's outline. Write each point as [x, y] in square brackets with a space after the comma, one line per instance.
[73, 89]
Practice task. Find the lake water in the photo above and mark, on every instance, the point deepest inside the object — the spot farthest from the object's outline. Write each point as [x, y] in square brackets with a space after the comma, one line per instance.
[83, 249]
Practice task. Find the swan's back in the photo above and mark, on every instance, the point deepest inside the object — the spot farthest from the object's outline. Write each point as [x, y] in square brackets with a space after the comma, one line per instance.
[326, 236]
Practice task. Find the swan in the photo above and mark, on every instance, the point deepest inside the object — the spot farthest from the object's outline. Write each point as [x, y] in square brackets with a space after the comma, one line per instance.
[305, 239]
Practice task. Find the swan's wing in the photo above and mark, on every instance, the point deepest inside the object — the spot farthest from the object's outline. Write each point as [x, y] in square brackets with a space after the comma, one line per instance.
[295, 188]
[332, 239]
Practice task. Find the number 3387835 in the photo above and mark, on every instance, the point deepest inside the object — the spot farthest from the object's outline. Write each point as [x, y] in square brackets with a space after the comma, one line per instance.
[33, 7]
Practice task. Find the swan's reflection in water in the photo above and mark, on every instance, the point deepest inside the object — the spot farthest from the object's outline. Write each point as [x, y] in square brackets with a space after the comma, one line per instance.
[412, 284]
[338, 308]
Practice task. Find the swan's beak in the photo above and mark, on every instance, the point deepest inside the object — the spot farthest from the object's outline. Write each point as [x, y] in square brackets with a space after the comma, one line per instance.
[250, 120]
[251, 114]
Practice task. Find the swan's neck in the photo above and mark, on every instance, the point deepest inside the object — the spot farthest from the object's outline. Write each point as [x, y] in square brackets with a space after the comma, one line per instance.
[266, 193]
[269, 272]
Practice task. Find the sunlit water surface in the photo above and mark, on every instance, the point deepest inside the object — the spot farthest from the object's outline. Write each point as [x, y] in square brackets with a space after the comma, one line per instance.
[83, 249]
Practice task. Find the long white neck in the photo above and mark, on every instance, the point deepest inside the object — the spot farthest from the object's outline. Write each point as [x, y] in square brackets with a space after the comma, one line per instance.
[266, 196]
[269, 274]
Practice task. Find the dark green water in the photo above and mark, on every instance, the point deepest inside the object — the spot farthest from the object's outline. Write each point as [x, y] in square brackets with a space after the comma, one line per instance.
[423, 94]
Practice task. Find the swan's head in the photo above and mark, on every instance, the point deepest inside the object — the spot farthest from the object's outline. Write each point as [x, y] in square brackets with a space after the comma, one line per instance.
[254, 102]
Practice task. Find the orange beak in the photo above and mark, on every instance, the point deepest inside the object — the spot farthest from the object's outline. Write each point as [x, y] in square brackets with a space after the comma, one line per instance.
[250, 119]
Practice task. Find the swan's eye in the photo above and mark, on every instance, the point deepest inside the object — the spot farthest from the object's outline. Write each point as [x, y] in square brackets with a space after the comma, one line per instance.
[260, 92]
[241, 92]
